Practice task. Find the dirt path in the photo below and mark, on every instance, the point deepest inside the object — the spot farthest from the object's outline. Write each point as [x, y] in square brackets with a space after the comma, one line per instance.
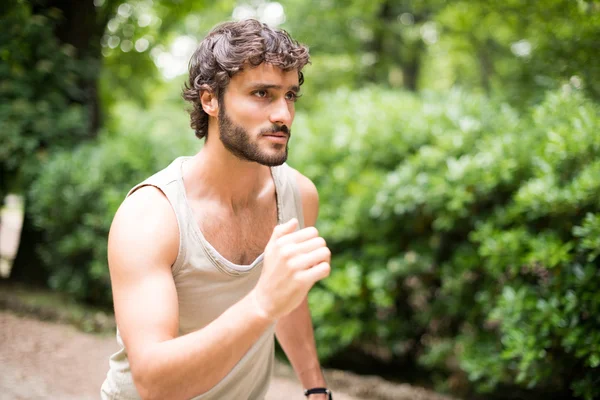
[44, 360]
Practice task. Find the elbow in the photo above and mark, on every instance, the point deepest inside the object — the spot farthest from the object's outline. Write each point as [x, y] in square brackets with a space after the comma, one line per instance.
[145, 381]
[149, 388]
[145, 393]
[150, 395]
[145, 388]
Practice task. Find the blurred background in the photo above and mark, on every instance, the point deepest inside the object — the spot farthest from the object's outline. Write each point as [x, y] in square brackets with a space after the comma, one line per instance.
[455, 145]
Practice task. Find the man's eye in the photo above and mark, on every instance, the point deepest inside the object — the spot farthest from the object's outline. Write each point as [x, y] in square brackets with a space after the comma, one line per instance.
[261, 93]
[291, 96]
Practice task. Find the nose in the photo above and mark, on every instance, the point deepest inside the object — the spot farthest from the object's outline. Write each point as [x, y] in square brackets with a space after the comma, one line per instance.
[282, 112]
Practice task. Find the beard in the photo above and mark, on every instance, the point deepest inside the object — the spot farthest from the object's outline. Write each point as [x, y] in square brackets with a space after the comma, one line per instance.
[236, 139]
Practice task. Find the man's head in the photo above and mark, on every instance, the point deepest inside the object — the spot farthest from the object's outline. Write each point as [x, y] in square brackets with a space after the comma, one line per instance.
[245, 74]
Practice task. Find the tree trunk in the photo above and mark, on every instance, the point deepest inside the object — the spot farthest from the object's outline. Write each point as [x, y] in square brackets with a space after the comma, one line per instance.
[392, 49]
[410, 73]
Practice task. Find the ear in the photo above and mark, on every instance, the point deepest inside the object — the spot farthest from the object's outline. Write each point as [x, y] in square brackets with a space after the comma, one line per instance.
[210, 103]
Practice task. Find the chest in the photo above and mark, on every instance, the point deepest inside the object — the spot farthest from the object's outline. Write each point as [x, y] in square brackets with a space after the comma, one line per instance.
[241, 236]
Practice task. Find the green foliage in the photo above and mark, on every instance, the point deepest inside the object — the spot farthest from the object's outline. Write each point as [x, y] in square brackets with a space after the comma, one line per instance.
[513, 49]
[461, 230]
[139, 33]
[39, 94]
[465, 230]
[360, 42]
[77, 194]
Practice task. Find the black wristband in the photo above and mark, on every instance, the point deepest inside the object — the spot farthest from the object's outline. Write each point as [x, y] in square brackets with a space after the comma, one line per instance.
[318, 390]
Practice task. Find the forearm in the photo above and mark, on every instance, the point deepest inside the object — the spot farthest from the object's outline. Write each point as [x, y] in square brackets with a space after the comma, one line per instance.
[192, 364]
[295, 334]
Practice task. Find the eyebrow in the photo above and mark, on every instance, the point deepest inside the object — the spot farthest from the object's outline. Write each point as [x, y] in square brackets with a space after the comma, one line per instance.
[267, 86]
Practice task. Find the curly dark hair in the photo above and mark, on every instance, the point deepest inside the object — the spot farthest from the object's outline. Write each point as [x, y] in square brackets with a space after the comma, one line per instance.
[226, 50]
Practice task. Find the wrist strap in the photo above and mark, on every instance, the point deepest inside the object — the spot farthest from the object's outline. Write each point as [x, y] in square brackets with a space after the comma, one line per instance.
[318, 390]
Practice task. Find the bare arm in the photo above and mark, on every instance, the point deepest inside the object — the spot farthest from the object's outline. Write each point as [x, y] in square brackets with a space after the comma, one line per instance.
[143, 244]
[295, 330]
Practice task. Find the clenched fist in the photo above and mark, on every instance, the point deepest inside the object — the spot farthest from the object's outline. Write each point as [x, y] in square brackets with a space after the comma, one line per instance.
[294, 261]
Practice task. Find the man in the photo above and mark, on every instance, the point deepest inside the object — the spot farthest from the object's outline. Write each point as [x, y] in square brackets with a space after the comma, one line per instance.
[209, 257]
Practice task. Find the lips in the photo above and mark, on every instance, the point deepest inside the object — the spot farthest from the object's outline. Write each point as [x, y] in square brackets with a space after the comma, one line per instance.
[278, 134]
[279, 138]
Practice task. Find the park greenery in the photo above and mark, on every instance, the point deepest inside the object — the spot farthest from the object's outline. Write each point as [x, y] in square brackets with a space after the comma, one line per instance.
[454, 144]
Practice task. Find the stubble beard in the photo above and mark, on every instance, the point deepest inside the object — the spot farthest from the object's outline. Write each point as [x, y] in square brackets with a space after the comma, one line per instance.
[236, 139]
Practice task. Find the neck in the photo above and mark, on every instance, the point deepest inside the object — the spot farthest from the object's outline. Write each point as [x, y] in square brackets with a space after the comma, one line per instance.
[214, 173]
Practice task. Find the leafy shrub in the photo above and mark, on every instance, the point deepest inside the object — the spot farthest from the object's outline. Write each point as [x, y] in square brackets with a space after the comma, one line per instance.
[40, 99]
[465, 235]
[75, 198]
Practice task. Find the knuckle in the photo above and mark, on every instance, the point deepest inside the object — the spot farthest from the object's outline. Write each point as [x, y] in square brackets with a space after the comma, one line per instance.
[312, 231]
[293, 264]
[279, 230]
[286, 252]
[327, 269]
[297, 281]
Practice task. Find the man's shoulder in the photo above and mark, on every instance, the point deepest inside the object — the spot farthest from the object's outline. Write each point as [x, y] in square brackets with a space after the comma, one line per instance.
[147, 209]
[145, 222]
[305, 185]
[148, 205]
[163, 177]
[309, 196]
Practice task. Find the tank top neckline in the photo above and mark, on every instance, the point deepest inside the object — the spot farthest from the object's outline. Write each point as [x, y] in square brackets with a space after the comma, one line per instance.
[217, 258]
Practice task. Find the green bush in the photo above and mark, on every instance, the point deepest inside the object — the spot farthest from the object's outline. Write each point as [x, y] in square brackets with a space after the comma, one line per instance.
[40, 99]
[75, 198]
[465, 235]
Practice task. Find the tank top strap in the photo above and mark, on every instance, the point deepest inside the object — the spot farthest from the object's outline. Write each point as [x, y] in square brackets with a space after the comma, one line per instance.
[291, 200]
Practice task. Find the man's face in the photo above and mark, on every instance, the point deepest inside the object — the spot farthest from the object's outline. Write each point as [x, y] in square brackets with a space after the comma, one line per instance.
[256, 114]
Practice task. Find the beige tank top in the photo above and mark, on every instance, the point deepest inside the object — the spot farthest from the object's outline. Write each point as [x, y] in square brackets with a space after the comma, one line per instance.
[207, 285]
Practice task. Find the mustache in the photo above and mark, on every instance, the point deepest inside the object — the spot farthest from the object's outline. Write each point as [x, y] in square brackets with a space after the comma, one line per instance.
[276, 128]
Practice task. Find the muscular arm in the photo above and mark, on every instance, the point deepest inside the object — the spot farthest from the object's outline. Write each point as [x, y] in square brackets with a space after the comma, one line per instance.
[143, 244]
[295, 330]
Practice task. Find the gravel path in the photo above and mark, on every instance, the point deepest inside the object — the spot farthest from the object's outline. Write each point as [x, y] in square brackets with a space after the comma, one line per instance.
[44, 360]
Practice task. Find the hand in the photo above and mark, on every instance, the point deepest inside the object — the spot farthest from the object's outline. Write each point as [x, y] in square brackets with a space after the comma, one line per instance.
[294, 261]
